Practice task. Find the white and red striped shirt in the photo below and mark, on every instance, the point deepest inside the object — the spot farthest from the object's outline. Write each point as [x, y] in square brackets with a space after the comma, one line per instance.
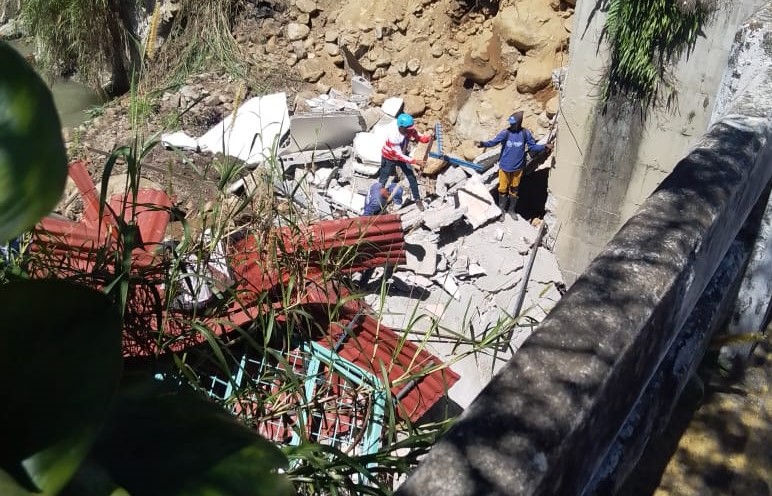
[395, 147]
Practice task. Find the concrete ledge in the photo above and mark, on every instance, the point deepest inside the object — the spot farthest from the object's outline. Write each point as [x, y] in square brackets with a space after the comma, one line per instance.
[546, 422]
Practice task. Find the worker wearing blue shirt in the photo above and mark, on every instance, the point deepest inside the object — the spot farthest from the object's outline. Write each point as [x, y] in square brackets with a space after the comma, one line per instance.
[512, 159]
[379, 196]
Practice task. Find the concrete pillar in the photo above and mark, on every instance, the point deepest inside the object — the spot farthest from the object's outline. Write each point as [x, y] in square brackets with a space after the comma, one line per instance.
[609, 160]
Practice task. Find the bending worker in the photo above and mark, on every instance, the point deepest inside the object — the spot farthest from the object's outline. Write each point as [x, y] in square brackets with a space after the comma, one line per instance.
[512, 159]
[394, 154]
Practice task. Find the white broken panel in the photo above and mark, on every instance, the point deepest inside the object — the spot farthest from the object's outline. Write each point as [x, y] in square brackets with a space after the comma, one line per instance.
[323, 131]
[480, 206]
[253, 132]
[347, 199]
[179, 140]
[436, 219]
[392, 105]
[361, 86]
[368, 146]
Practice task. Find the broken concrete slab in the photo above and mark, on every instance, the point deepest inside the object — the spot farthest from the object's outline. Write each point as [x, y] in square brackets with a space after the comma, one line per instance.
[422, 258]
[323, 131]
[494, 283]
[488, 158]
[449, 178]
[437, 218]
[347, 199]
[449, 284]
[545, 268]
[410, 283]
[252, 133]
[480, 206]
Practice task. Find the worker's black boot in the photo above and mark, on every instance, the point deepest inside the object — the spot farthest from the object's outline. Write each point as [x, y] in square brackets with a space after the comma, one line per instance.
[503, 204]
[512, 205]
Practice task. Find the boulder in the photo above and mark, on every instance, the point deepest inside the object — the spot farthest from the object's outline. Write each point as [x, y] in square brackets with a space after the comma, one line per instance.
[551, 107]
[415, 105]
[534, 73]
[306, 6]
[311, 70]
[528, 28]
[477, 71]
[297, 31]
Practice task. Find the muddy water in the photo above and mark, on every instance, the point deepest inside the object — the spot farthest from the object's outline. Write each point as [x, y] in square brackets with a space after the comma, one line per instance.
[71, 98]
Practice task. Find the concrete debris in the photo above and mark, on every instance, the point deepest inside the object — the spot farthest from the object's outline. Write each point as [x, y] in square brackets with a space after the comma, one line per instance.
[497, 282]
[321, 206]
[449, 284]
[253, 132]
[545, 268]
[480, 205]
[408, 282]
[488, 158]
[327, 103]
[343, 197]
[437, 218]
[314, 157]
[361, 86]
[422, 258]
[449, 178]
[366, 169]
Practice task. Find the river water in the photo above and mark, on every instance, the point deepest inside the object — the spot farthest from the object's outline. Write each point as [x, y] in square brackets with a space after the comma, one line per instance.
[71, 99]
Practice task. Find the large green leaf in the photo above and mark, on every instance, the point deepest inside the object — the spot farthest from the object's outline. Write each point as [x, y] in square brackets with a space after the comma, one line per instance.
[164, 440]
[33, 160]
[60, 365]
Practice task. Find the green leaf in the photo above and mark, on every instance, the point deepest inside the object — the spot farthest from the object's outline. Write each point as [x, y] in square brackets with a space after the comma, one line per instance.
[60, 364]
[9, 487]
[33, 160]
[163, 440]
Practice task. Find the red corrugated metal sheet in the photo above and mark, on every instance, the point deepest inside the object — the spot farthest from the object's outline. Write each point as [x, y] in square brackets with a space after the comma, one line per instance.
[305, 254]
[351, 245]
[378, 349]
[79, 242]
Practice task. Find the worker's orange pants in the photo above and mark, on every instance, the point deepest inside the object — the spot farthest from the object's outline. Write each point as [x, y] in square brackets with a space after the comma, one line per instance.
[509, 182]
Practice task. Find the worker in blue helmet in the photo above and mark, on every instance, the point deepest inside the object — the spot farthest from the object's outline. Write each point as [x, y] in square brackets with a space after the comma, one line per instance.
[515, 141]
[395, 154]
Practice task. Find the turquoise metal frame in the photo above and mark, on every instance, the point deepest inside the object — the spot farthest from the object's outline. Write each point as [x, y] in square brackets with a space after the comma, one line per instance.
[345, 433]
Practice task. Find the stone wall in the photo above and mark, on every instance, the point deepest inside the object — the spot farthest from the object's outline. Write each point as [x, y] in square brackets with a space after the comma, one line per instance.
[570, 412]
[608, 164]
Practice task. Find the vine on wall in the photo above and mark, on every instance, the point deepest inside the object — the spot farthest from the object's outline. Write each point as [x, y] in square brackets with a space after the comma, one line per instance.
[646, 38]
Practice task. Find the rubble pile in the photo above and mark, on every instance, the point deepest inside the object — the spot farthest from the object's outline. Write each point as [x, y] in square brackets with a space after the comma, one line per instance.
[466, 267]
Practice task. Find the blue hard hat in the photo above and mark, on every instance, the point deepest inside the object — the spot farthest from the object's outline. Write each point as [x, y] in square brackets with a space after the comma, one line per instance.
[404, 120]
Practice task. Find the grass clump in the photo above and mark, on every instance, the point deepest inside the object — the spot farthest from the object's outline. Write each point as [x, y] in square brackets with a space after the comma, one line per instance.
[647, 37]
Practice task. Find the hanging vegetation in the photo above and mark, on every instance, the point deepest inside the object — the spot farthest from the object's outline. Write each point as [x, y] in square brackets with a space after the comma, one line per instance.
[646, 38]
